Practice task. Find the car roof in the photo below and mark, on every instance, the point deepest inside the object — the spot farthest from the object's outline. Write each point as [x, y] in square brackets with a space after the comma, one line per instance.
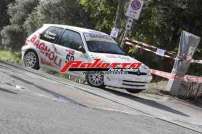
[78, 29]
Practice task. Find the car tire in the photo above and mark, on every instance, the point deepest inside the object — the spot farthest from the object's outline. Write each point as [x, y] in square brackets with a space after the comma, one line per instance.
[134, 91]
[31, 60]
[95, 79]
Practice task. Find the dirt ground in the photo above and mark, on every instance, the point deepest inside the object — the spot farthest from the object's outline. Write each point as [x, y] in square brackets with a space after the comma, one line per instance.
[158, 88]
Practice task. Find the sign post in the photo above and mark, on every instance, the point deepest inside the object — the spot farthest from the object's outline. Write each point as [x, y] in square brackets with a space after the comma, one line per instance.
[133, 13]
[117, 22]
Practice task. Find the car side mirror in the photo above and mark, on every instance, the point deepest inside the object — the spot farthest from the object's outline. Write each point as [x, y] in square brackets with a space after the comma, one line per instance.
[40, 35]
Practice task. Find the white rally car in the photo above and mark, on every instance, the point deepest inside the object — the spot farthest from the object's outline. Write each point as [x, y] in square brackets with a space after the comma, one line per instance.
[53, 45]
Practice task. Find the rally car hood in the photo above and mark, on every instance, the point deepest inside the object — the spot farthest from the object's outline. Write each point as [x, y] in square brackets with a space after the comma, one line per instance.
[111, 58]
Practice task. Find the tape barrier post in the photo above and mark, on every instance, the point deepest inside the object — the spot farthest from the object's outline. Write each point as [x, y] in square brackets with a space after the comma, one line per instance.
[187, 48]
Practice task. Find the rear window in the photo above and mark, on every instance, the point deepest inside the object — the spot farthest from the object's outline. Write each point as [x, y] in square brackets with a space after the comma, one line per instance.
[52, 34]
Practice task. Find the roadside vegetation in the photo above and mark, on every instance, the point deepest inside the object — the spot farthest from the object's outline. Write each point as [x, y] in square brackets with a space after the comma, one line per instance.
[10, 56]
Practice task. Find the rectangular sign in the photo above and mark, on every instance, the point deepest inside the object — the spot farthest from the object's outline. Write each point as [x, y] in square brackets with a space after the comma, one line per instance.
[114, 32]
[160, 52]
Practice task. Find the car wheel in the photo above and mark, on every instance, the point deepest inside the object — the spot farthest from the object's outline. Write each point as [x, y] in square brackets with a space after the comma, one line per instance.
[31, 60]
[134, 91]
[95, 79]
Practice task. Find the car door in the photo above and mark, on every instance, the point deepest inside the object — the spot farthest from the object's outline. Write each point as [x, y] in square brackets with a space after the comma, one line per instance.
[48, 51]
[70, 47]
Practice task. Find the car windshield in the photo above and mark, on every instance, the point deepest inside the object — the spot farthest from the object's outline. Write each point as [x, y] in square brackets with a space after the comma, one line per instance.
[104, 47]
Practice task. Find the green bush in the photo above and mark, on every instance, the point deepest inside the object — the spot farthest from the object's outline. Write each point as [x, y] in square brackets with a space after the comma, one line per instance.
[10, 56]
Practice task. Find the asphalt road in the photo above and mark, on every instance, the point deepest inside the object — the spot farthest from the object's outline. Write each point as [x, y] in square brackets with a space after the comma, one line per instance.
[32, 102]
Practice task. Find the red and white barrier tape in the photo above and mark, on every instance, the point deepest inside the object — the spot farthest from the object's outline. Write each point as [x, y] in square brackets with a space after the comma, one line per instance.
[186, 78]
[197, 61]
[149, 48]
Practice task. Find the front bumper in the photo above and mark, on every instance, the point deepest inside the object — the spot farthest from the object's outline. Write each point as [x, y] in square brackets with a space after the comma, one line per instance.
[128, 81]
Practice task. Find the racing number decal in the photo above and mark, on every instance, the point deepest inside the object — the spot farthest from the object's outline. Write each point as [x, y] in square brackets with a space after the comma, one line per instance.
[70, 55]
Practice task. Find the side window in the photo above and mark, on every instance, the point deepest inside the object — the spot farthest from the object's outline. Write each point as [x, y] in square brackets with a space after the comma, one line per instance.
[71, 40]
[52, 34]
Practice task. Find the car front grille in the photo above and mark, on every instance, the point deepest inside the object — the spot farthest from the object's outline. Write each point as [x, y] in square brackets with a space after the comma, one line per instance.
[138, 73]
[134, 83]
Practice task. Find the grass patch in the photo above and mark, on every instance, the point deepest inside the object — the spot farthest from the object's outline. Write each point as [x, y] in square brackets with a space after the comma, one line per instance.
[9, 56]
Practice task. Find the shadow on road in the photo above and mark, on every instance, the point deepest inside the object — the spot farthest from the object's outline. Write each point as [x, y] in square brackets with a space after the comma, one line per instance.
[129, 96]
[7, 91]
[145, 101]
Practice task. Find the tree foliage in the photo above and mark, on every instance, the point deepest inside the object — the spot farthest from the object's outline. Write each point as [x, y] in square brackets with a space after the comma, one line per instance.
[101, 13]
[162, 21]
[67, 12]
[3, 15]
[13, 35]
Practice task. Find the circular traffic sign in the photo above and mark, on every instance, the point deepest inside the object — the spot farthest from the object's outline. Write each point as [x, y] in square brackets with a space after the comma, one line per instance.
[136, 4]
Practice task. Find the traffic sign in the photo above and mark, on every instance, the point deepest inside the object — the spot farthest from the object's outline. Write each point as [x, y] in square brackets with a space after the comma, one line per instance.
[134, 9]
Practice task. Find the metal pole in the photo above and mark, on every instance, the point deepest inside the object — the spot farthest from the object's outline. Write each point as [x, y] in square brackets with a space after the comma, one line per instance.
[128, 27]
[117, 22]
[119, 16]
